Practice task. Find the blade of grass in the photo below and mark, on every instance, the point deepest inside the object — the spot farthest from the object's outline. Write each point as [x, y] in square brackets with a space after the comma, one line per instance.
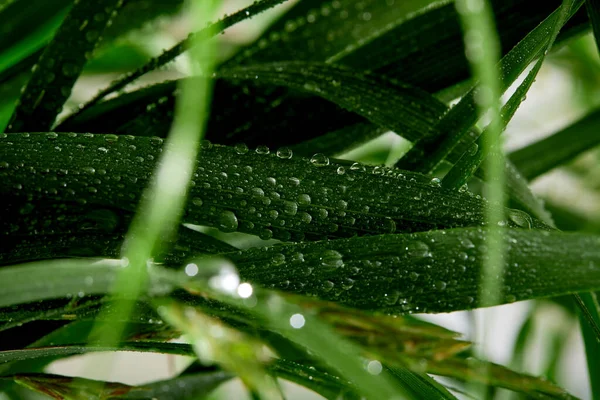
[424, 385]
[231, 349]
[71, 350]
[559, 148]
[361, 93]
[180, 388]
[193, 39]
[454, 127]
[589, 317]
[465, 167]
[273, 195]
[61, 63]
[593, 10]
[161, 207]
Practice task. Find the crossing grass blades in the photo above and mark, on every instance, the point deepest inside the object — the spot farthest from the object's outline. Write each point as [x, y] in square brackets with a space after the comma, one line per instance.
[217, 206]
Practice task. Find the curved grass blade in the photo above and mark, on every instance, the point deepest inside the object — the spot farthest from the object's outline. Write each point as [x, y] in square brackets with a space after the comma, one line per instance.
[197, 37]
[234, 189]
[542, 156]
[334, 351]
[327, 385]
[290, 321]
[19, 40]
[589, 322]
[62, 387]
[470, 161]
[179, 388]
[56, 279]
[435, 271]
[233, 350]
[162, 204]
[455, 125]
[76, 349]
[425, 386]
[404, 109]
[61, 63]
[593, 10]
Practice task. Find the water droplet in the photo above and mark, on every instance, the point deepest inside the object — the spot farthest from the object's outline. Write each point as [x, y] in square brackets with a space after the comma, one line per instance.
[436, 182]
[341, 170]
[278, 259]
[440, 285]
[197, 201]
[285, 153]
[51, 135]
[331, 259]
[290, 207]
[327, 286]
[241, 148]
[228, 221]
[358, 167]
[304, 199]
[297, 321]
[418, 249]
[319, 160]
[520, 218]
[262, 150]
[374, 367]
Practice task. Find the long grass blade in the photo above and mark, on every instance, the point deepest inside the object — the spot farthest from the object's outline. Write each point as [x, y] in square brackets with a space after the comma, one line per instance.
[57, 69]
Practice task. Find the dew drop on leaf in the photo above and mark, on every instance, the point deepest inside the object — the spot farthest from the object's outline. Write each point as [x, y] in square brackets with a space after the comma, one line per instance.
[319, 160]
[262, 150]
[520, 218]
[241, 148]
[228, 221]
[331, 259]
[285, 153]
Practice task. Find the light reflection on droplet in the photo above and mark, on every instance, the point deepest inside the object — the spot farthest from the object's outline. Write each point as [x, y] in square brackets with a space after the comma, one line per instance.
[244, 290]
[297, 321]
[374, 367]
[191, 269]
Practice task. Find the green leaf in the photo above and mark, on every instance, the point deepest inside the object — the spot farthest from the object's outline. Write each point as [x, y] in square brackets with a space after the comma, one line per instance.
[593, 10]
[589, 318]
[55, 279]
[19, 40]
[470, 161]
[71, 350]
[555, 150]
[205, 34]
[434, 271]
[425, 386]
[387, 103]
[455, 125]
[61, 63]
[271, 195]
[315, 379]
[191, 386]
[230, 348]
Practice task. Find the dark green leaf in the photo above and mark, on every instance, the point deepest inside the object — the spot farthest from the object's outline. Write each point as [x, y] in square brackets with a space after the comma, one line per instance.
[61, 63]
[593, 10]
[228, 21]
[559, 148]
[404, 109]
[455, 125]
[269, 195]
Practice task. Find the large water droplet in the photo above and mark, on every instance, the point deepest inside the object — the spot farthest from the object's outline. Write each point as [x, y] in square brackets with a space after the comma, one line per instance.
[331, 259]
[285, 153]
[520, 218]
[319, 160]
[228, 221]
